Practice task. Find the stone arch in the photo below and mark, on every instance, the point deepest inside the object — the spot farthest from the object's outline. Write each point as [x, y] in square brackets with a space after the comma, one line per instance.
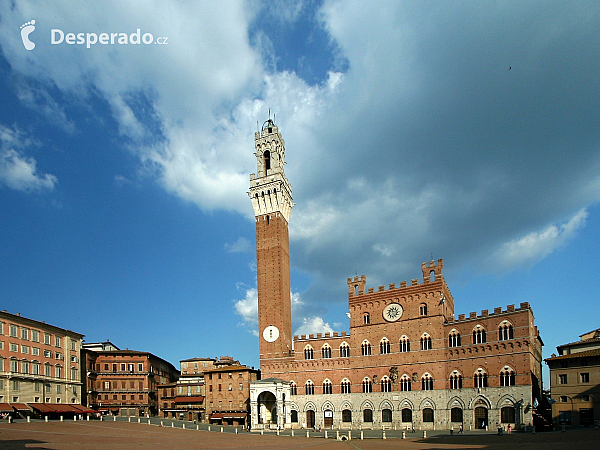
[405, 403]
[456, 402]
[480, 400]
[506, 400]
[346, 405]
[309, 406]
[386, 404]
[294, 405]
[327, 405]
[427, 402]
[367, 404]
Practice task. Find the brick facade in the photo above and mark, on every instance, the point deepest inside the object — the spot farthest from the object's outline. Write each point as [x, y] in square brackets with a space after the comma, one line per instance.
[407, 361]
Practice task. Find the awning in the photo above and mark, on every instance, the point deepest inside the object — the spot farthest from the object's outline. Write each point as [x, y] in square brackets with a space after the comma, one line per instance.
[5, 407]
[198, 399]
[235, 415]
[83, 409]
[20, 406]
[216, 416]
[42, 407]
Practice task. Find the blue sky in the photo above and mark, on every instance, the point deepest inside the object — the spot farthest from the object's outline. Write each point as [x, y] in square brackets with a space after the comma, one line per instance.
[464, 130]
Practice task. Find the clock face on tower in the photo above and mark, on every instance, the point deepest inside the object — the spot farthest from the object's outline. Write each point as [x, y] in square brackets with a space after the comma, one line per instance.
[392, 312]
[270, 333]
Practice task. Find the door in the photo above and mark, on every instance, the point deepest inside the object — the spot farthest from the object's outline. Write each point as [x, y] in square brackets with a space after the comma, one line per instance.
[328, 418]
[481, 418]
[310, 419]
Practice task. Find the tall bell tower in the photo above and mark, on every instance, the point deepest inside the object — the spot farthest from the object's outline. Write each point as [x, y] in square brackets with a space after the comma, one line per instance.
[271, 196]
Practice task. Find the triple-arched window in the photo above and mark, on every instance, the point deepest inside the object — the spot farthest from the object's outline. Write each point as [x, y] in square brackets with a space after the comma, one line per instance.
[454, 339]
[505, 331]
[480, 379]
[327, 387]
[326, 351]
[384, 346]
[309, 386]
[405, 383]
[507, 377]
[344, 350]
[427, 382]
[346, 386]
[425, 342]
[455, 380]
[366, 348]
[404, 344]
[479, 335]
[367, 385]
[386, 384]
[308, 352]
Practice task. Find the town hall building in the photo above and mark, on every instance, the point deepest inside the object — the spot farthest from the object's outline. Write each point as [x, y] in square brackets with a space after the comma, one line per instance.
[406, 362]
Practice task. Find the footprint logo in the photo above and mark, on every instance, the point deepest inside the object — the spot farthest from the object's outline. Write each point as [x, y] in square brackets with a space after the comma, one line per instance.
[26, 30]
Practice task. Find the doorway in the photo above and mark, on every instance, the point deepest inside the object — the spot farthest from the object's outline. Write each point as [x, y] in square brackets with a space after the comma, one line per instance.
[328, 418]
[481, 418]
[310, 418]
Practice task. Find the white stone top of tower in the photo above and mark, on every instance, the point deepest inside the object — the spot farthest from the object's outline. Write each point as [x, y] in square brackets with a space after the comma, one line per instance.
[270, 191]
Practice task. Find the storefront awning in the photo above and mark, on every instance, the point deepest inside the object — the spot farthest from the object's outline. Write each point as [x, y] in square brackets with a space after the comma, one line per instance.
[5, 407]
[216, 416]
[198, 399]
[20, 406]
[234, 415]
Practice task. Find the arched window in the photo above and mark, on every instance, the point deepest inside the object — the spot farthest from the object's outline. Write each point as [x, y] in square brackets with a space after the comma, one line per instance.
[454, 339]
[386, 415]
[479, 335]
[432, 275]
[405, 383]
[267, 156]
[423, 309]
[507, 414]
[427, 415]
[346, 415]
[327, 387]
[308, 352]
[480, 379]
[346, 386]
[366, 348]
[326, 351]
[406, 415]
[368, 415]
[505, 331]
[310, 388]
[427, 382]
[404, 344]
[367, 386]
[384, 346]
[507, 377]
[344, 350]
[386, 384]
[455, 380]
[366, 318]
[293, 388]
[425, 342]
[456, 415]
[294, 416]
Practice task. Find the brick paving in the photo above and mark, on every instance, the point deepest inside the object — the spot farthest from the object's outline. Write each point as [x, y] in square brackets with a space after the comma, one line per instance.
[120, 435]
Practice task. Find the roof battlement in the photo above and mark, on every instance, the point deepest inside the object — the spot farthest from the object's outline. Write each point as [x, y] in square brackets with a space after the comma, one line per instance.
[317, 336]
[432, 271]
[485, 313]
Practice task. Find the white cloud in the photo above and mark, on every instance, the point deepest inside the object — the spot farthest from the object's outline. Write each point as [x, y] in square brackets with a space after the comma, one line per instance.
[534, 247]
[17, 171]
[313, 325]
[247, 309]
[242, 245]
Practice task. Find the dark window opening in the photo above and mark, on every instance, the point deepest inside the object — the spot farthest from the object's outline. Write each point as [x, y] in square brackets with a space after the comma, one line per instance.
[267, 156]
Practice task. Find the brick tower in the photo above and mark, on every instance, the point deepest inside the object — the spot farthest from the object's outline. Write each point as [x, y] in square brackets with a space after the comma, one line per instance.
[271, 196]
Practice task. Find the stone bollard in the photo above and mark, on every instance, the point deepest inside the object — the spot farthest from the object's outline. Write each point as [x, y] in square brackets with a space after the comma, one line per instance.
[87, 417]
[197, 427]
[383, 437]
[28, 419]
[277, 431]
[221, 429]
[424, 434]
[325, 434]
[292, 432]
[349, 435]
[46, 418]
[307, 433]
[262, 432]
[61, 418]
[114, 418]
[236, 430]
[172, 424]
[209, 428]
[403, 434]
[161, 423]
[183, 426]
[361, 435]
[337, 435]
[148, 421]
[9, 419]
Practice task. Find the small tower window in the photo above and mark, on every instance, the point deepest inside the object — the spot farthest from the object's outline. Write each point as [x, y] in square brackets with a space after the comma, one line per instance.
[267, 156]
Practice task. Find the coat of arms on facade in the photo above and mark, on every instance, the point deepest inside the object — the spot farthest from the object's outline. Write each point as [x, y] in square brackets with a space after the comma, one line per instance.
[394, 374]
